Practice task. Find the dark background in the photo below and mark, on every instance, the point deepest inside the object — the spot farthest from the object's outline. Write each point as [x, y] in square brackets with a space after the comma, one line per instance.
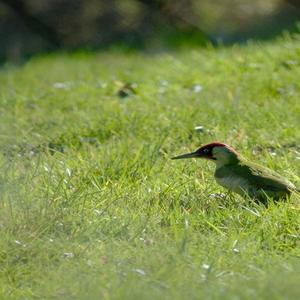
[28, 27]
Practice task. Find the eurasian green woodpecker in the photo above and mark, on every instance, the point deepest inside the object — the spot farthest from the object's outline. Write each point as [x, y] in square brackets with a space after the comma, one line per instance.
[241, 176]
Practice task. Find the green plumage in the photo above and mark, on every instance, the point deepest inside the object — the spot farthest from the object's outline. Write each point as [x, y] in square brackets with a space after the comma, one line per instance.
[241, 176]
[253, 180]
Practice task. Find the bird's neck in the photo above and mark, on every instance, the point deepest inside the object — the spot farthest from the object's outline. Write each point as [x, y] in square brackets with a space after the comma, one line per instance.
[227, 160]
[225, 156]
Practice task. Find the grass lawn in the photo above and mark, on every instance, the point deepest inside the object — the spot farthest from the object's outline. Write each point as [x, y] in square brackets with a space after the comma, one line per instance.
[91, 205]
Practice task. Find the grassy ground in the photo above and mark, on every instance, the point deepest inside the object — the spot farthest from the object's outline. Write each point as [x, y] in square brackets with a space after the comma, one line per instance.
[91, 205]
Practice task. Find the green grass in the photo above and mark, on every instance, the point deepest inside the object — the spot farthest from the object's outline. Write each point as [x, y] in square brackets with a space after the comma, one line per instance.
[91, 205]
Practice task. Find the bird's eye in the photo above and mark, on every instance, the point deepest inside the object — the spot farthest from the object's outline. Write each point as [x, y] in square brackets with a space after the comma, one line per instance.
[205, 151]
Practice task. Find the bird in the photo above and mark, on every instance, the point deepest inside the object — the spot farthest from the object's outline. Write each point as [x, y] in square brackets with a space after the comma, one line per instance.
[241, 176]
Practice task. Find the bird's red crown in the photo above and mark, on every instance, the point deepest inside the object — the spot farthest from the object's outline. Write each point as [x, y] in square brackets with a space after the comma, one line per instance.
[208, 148]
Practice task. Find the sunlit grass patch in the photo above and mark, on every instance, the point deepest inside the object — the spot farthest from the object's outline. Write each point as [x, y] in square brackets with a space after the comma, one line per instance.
[91, 204]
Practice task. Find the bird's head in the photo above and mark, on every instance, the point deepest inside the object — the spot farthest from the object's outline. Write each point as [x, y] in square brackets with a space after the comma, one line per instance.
[216, 151]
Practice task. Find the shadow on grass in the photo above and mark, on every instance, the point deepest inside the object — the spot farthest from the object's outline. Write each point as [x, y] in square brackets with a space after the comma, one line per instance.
[172, 39]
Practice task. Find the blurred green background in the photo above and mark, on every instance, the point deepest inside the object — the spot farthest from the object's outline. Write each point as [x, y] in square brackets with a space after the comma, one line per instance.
[28, 27]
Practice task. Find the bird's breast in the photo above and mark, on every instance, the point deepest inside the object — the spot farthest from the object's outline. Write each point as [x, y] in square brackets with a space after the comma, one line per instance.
[233, 183]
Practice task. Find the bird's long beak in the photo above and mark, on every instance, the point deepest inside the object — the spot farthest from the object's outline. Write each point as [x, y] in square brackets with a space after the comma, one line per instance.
[187, 155]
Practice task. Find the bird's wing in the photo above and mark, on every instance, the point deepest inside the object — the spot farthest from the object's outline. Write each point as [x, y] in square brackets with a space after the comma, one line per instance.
[262, 178]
